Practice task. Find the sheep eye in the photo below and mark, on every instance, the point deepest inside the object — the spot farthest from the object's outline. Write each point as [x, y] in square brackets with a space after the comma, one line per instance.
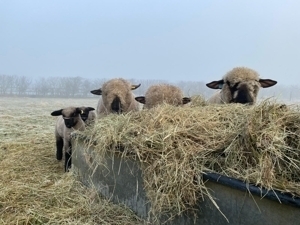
[234, 88]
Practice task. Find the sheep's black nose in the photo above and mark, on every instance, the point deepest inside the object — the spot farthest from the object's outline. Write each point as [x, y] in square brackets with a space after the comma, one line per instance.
[69, 122]
[243, 95]
[116, 105]
[84, 117]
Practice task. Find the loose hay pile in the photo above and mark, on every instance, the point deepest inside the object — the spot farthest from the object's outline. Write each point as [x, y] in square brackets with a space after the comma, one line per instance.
[176, 145]
[34, 189]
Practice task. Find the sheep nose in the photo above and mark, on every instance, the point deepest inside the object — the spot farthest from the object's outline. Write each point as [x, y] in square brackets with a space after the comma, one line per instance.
[69, 122]
[116, 105]
[84, 116]
[243, 96]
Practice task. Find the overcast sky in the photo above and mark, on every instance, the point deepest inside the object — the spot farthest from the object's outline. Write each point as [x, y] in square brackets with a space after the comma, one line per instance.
[155, 39]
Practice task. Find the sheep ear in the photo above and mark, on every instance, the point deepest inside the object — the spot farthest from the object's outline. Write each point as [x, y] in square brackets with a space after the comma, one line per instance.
[90, 108]
[97, 92]
[141, 99]
[56, 113]
[216, 84]
[133, 86]
[265, 83]
[186, 100]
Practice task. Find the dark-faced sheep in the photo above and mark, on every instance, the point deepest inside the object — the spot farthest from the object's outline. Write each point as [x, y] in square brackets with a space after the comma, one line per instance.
[88, 115]
[162, 93]
[240, 85]
[116, 97]
[69, 120]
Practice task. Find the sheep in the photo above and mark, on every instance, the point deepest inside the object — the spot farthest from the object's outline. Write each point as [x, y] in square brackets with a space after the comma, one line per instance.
[239, 85]
[69, 120]
[88, 115]
[116, 97]
[162, 93]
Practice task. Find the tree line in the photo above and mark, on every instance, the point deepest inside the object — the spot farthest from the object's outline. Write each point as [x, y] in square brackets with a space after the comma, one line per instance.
[79, 87]
[13, 85]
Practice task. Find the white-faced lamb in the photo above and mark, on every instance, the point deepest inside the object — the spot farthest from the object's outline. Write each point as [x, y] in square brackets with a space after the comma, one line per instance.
[116, 97]
[69, 120]
[162, 93]
[239, 85]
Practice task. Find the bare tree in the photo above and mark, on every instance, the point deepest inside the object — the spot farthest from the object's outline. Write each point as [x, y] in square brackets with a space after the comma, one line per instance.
[22, 85]
[7, 84]
[86, 87]
[41, 87]
[73, 85]
[53, 85]
[3, 84]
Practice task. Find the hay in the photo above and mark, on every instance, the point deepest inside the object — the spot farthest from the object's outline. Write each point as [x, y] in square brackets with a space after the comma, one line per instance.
[198, 100]
[176, 145]
[34, 188]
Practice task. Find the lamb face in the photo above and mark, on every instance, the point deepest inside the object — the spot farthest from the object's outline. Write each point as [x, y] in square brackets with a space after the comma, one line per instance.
[85, 112]
[241, 90]
[240, 85]
[117, 97]
[70, 115]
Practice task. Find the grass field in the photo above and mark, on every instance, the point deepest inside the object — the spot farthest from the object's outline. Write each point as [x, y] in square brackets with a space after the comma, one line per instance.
[34, 188]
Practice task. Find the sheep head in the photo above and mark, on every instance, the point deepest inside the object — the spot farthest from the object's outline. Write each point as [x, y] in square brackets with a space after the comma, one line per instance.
[162, 93]
[240, 85]
[70, 115]
[116, 95]
[85, 112]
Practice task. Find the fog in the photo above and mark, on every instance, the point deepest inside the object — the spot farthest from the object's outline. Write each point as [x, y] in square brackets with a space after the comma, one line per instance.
[160, 40]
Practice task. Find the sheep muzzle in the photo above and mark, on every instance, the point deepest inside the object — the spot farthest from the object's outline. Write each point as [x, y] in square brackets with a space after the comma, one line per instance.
[116, 105]
[84, 116]
[242, 95]
[69, 122]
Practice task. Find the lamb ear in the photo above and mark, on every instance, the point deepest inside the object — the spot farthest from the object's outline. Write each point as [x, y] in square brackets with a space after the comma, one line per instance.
[90, 108]
[186, 100]
[216, 84]
[97, 92]
[141, 99]
[134, 86]
[56, 113]
[265, 83]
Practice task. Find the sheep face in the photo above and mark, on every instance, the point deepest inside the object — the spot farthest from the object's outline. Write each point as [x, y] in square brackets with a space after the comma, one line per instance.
[163, 93]
[116, 95]
[70, 115]
[240, 85]
[85, 112]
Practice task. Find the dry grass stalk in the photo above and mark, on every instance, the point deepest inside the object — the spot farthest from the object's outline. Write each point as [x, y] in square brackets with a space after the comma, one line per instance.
[198, 100]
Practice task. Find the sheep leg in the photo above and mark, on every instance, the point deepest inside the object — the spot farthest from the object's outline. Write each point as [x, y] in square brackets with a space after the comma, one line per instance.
[68, 159]
[59, 148]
